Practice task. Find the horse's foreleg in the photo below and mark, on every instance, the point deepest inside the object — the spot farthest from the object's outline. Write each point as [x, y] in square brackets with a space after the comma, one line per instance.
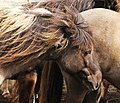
[51, 83]
[26, 86]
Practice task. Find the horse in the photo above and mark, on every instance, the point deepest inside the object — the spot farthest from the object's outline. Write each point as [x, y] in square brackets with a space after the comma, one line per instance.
[107, 41]
[79, 5]
[107, 4]
[25, 45]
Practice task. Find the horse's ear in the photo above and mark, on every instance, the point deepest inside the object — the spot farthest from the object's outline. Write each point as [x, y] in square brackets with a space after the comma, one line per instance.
[41, 11]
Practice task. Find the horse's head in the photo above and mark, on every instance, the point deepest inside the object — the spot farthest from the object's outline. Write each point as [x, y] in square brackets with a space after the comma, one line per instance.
[83, 66]
[79, 60]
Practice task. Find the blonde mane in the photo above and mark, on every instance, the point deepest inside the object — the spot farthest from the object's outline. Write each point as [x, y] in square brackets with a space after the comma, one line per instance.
[26, 35]
[83, 37]
[77, 5]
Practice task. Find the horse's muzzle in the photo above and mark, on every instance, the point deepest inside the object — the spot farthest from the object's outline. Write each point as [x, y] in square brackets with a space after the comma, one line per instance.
[94, 79]
[93, 71]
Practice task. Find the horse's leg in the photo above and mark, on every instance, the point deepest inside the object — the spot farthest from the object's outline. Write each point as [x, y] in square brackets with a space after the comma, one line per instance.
[26, 86]
[51, 83]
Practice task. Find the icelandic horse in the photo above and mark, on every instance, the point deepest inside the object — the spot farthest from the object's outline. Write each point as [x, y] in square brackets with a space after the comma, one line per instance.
[28, 37]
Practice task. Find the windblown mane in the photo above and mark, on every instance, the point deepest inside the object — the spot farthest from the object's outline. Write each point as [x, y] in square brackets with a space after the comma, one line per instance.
[79, 5]
[27, 34]
[85, 38]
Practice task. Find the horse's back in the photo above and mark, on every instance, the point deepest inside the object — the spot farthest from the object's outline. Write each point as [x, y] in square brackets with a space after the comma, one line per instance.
[104, 18]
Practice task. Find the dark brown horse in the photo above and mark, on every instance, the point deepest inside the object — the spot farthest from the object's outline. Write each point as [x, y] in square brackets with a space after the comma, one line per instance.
[80, 7]
[76, 4]
[44, 34]
[105, 4]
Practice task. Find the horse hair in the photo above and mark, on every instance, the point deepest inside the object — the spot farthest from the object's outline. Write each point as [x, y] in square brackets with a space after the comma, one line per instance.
[78, 5]
[21, 42]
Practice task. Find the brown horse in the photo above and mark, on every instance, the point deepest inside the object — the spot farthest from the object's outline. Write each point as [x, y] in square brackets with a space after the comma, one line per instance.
[88, 4]
[24, 78]
[48, 35]
[106, 4]
[110, 4]
[104, 25]
[77, 5]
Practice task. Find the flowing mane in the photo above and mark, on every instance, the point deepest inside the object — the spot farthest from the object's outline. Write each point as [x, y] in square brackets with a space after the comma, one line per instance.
[85, 38]
[29, 33]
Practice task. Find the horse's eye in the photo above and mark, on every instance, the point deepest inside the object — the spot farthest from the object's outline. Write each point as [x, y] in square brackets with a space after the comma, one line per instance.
[87, 52]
